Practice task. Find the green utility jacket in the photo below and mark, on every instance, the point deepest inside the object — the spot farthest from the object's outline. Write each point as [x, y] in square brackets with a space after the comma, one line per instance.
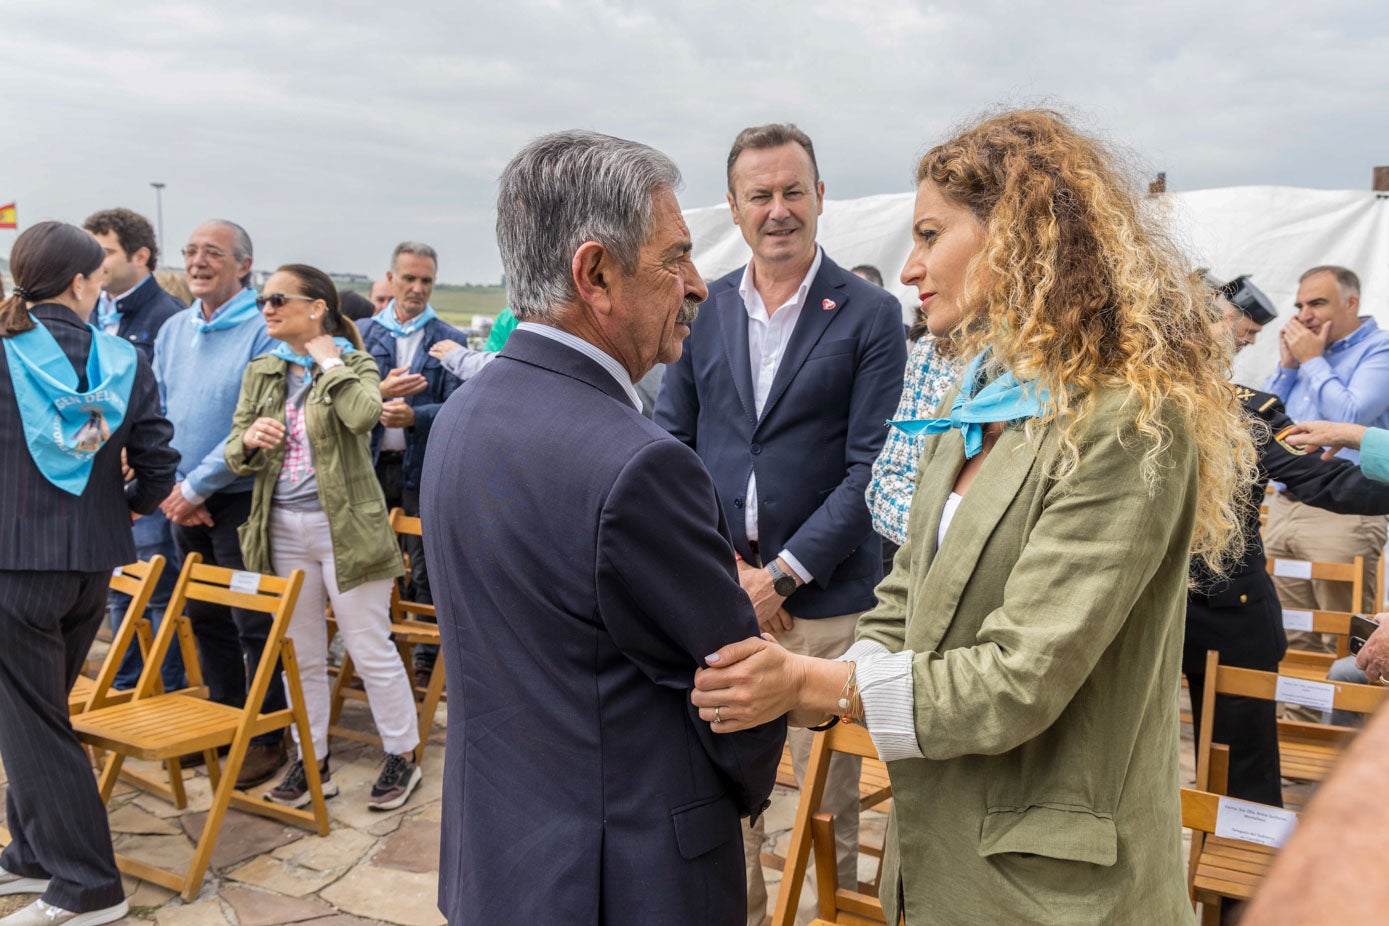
[342, 407]
[1047, 640]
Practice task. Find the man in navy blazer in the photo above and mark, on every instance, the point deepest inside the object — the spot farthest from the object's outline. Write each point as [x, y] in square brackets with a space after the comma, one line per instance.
[783, 390]
[590, 572]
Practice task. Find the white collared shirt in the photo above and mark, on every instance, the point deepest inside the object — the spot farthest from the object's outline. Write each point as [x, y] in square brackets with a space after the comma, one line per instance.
[405, 350]
[616, 370]
[768, 336]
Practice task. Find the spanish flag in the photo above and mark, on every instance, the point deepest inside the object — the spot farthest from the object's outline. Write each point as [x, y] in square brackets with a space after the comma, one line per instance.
[7, 216]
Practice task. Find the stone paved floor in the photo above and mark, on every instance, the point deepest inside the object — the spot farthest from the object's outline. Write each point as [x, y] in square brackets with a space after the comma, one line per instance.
[373, 869]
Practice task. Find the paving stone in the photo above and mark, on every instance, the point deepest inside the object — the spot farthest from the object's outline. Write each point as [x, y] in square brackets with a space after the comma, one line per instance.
[201, 913]
[339, 850]
[256, 908]
[385, 826]
[410, 900]
[283, 877]
[15, 902]
[414, 847]
[169, 852]
[243, 836]
[145, 893]
[343, 919]
[131, 818]
[197, 788]
[434, 811]
[350, 807]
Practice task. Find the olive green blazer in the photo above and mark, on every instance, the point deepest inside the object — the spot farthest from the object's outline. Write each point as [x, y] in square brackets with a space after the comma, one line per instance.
[1047, 633]
[342, 407]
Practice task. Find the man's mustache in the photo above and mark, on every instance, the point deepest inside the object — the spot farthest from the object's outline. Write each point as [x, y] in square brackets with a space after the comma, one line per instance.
[689, 311]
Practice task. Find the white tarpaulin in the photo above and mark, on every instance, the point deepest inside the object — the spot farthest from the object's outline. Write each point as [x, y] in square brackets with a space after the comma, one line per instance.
[1270, 233]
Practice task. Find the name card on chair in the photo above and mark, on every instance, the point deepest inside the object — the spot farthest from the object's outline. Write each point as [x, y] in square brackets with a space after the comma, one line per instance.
[1256, 823]
[1292, 568]
[248, 582]
[117, 572]
[1297, 620]
[1307, 693]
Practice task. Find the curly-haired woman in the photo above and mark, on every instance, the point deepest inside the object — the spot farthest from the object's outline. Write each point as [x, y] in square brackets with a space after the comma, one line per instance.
[1020, 671]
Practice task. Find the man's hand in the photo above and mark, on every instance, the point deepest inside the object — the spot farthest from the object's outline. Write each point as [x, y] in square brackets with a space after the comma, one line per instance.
[183, 512]
[442, 349]
[1301, 343]
[1373, 658]
[1333, 435]
[397, 415]
[748, 683]
[400, 383]
[765, 601]
[127, 474]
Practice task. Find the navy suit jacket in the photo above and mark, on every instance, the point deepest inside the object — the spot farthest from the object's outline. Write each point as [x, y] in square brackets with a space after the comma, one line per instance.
[143, 313]
[589, 571]
[380, 343]
[821, 428]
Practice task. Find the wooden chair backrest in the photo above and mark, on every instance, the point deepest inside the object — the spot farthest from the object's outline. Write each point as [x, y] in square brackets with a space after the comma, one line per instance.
[405, 525]
[1200, 810]
[1331, 622]
[854, 740]
[137, 580]
[238, 589]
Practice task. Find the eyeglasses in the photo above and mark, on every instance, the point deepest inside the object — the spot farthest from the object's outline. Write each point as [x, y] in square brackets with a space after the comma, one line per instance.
[210, 253]
[278, 300]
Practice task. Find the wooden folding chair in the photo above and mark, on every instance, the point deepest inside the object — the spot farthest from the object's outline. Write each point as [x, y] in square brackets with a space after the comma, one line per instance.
[849, 905]
[161, 727]
[1307, 663]
[136, 580]
[1221, 867]
[408, 633]
[1306, 751]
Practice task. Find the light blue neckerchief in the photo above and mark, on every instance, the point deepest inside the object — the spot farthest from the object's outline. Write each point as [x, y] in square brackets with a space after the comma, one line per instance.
[108, 317]
[1004, 399]
[237, 310]
[65, 428]
[306, 361]
[386, 319]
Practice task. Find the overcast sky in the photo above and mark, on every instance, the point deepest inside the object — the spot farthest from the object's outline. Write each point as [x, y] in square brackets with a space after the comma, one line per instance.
[332, 130]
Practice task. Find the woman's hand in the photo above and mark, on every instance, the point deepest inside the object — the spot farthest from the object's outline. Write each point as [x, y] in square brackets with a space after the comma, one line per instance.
[748, 683]
[1333, 435]
[264, 433]
[322, 348]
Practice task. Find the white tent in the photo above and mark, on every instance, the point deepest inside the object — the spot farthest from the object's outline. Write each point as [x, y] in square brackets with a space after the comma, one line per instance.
[1270, 233]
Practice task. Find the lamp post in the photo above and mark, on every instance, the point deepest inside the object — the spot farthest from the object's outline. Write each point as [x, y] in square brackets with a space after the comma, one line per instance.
[159, 210]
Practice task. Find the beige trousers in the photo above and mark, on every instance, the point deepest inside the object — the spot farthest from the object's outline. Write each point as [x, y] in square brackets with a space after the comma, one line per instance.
[826, 638]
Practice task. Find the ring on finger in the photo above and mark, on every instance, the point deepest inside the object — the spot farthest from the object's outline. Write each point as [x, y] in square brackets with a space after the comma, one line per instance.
[717, 718]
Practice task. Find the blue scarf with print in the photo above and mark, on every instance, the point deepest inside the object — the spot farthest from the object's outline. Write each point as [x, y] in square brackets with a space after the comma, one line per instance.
[1004, 399]
[306, 361]
[237, 310]
[65, 428]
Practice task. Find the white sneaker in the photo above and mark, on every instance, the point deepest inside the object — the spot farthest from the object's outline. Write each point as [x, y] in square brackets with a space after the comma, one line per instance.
[39, 913]
[11, 883]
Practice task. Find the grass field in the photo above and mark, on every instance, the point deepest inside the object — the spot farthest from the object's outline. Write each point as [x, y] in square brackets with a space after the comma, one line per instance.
[457, 304]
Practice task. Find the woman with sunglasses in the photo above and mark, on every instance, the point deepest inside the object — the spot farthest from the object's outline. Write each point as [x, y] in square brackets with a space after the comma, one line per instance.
[302, 427]
[72, 400]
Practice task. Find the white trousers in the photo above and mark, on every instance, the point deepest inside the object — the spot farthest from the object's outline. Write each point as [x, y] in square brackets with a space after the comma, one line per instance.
[300, 540]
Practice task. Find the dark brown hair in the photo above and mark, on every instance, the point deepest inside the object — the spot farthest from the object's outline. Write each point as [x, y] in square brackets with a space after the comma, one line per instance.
[317, 285]
[44, 261]
[773, 135]
[132, 230]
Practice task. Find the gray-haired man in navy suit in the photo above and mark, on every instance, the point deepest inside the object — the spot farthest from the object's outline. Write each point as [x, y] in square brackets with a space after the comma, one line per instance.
[590, 571]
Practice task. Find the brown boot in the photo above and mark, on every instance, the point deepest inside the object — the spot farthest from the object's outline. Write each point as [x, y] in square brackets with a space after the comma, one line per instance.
[262, 762]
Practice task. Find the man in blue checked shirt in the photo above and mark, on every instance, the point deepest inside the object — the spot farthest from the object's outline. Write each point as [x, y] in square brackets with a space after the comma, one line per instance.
[1333, 366]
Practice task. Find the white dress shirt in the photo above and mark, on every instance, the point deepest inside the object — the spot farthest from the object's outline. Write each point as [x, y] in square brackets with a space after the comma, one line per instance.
[616, 370]
[768, 336]
[405, 350]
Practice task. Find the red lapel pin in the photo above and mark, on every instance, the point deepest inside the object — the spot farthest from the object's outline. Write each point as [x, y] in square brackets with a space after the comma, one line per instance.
[827, 304]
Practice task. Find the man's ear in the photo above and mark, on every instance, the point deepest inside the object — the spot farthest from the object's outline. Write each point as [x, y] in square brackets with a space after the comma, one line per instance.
[593, 270]
[1354, 302]
[733, 207]
[141, 257]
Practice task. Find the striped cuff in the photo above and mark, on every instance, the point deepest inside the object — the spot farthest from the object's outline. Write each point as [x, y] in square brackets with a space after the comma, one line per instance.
[889, 700]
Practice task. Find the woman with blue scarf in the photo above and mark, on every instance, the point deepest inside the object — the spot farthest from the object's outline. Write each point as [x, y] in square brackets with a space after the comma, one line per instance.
[72, 401]
[1019, 674]
[302, 426]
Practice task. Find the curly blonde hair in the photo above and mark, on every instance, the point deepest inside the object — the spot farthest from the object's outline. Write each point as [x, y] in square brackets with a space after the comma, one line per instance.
[1076, 288]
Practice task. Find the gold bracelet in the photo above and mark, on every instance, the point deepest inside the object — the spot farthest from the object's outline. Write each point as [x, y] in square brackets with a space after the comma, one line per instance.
[850, 703]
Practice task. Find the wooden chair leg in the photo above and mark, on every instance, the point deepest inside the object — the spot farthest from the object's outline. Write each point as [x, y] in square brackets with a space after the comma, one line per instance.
[175, 771]
[346, 673]
[430, 705]
[221, 800]
[214, 767]
[290, 666]
[109, 776]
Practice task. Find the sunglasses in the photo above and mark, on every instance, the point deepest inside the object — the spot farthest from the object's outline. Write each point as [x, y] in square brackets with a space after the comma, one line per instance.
[278, 300]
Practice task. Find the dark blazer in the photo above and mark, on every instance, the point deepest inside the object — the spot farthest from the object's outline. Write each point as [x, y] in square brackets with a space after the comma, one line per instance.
[143, 313]
[589, 573]
[820, 431]
[44, 528]
[380, 343]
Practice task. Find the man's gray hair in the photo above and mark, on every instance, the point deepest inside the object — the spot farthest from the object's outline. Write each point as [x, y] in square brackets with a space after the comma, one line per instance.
[562, 190]
[417, 248]
[1346, 279]
[241, 244]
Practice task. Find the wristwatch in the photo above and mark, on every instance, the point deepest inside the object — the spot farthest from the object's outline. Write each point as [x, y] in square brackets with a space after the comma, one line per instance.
[329, 364]
[783, 584]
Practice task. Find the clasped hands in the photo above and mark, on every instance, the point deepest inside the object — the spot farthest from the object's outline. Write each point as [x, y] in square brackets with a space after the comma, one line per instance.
[748, 683]
[399, 384]
[1297, 343]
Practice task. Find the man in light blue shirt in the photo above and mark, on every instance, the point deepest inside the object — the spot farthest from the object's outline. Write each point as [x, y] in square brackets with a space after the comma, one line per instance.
[199, 360]
[1333, 366]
